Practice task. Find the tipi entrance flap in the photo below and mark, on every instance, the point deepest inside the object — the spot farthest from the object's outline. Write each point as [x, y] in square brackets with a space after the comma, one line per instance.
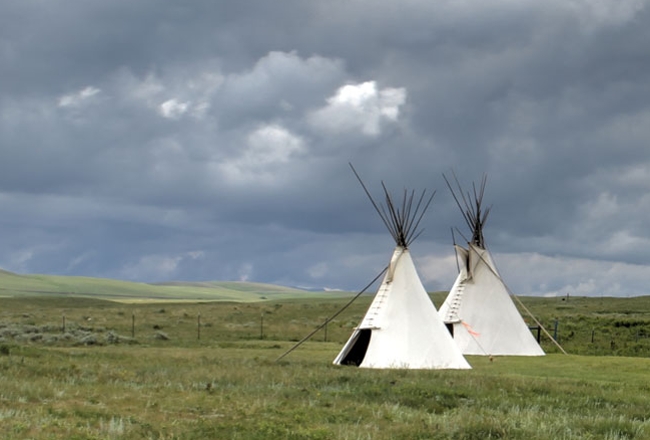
[355, 350]
[406, 329]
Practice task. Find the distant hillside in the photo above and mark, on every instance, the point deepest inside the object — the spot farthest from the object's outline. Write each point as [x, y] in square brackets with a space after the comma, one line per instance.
[12, 284]
[239, 286]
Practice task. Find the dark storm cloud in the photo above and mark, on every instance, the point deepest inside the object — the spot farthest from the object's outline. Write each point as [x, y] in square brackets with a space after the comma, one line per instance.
[210, 140]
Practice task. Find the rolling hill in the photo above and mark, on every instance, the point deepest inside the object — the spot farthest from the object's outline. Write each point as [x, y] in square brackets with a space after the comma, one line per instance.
[13, 285]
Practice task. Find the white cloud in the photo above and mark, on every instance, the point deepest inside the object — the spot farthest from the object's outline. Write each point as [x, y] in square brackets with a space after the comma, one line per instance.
[613, 223]
[147, 90]
[173, 93]
[318, 270]
[360, 107]
[196, 255]
[264, 156]
[535, 274]
[158, 267]
[280, 81]
[245, 272]
[173, 109]
[21, 257]
[606, 205]
[76, 99]
[152, 267]
[596, 13]
[76, 261]
[272, 144]
[438, 270]
[635, 175]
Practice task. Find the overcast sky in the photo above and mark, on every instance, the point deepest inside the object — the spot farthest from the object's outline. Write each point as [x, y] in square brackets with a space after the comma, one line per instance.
[210, 140]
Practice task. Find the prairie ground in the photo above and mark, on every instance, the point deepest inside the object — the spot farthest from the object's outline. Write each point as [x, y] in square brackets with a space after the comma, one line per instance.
[88, 369]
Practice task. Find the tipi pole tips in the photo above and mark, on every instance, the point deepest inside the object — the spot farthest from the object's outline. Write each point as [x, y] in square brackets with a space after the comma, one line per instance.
[401, 219]
[470, 204]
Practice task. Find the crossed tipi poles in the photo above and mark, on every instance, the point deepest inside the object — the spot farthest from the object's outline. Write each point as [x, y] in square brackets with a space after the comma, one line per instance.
[403, 329]
[479, 310]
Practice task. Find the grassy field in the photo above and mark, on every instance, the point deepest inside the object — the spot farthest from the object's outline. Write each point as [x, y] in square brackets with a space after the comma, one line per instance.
[208, 370]
[15, 285]
[237, 391]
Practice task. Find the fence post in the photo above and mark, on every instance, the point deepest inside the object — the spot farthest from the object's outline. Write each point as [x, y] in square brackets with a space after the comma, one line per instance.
[198, 326]
[555, 329]
[63, 323]
[262, 325]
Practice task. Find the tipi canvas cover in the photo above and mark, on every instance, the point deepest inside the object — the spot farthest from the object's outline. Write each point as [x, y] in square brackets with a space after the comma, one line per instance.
[479, 311]
[402, 328]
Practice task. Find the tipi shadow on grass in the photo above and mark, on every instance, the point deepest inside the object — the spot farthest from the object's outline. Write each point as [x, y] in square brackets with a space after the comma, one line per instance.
[402, 328]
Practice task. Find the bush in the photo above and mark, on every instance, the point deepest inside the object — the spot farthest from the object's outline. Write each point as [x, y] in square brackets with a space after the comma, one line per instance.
[89, 339]
[113, 338]
[161, 336]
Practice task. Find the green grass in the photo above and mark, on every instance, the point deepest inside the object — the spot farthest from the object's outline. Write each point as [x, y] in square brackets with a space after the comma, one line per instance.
[96, 379]
[237, 391]
[13, 285]
[618, 326]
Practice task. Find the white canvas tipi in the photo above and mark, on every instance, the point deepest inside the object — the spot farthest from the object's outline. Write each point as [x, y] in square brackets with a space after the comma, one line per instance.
[401, 329]
[479, 311]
